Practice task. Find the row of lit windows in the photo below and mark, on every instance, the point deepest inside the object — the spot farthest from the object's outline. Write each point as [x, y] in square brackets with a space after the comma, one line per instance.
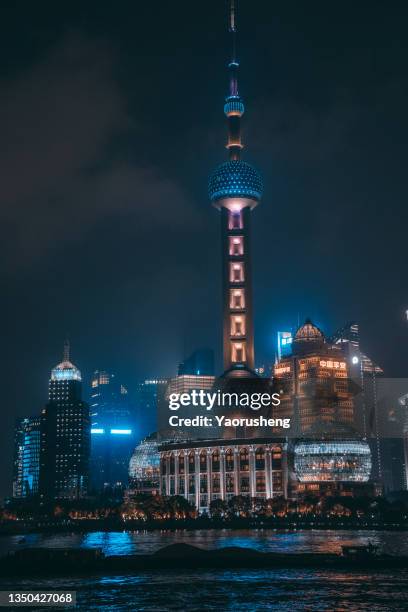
[243, 484]
[242, 462]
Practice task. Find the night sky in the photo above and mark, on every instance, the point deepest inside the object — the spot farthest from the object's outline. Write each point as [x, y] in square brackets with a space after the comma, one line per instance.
[110, 122]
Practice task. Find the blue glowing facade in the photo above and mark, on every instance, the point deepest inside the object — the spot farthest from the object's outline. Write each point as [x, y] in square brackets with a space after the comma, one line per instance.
[285, 340]
[234, 105]
[26, 457]
[235, 179]
[113, 432]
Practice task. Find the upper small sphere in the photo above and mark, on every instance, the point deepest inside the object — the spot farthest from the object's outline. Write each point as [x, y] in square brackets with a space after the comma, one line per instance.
[235, 179]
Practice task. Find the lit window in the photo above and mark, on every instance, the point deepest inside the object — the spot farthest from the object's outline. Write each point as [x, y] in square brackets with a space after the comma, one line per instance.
[236, 245]
[237, 272]
[237, 299]
[238, 352]
[237, 325]
[235, 220]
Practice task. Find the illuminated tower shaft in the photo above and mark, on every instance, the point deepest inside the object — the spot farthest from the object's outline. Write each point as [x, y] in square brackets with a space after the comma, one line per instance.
[235, 188]
[238, 335]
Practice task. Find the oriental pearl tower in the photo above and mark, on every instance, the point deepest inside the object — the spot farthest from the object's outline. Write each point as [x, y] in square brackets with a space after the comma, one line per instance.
[235, 188]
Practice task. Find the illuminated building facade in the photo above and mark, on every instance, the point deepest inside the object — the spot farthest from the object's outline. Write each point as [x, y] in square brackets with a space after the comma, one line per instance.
[206, 470]
[318, 397]
[187, 383]
[333, 461]
[235, 188]
[315, 382]
[65, 435]
[144, 467]
[113, 432]
[26, 457]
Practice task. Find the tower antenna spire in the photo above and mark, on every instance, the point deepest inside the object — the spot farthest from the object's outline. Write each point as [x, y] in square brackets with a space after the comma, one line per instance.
[66, 349]
[233, 29]
[234, 106]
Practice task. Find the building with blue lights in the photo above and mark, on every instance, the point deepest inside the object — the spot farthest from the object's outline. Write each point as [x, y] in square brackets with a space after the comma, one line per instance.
[65, 436]
[285, 339]
[26, 457]
[113, 432]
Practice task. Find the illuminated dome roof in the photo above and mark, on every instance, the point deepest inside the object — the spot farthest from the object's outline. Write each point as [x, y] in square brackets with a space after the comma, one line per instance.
[235, 179]
[145, 461]
[308, 333]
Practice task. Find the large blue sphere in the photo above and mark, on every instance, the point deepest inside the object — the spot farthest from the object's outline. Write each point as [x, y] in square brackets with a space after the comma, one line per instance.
[235, 179]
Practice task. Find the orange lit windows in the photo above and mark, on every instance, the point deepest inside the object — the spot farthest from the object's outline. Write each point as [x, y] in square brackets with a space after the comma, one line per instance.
[235, 220]
[238, 352]
[237, 325]
[236, 245]
[237, 299]
[237, 272]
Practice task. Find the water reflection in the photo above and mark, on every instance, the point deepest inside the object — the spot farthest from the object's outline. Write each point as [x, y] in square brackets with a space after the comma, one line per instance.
[111, 542]
[125, 542]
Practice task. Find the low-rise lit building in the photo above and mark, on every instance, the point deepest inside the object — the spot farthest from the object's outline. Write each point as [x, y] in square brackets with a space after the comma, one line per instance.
[206, 470]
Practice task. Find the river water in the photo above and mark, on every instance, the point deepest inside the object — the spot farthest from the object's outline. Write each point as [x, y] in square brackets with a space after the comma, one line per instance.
[241, 590]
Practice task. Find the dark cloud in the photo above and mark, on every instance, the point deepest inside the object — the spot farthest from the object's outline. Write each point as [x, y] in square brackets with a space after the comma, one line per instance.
[61, 177]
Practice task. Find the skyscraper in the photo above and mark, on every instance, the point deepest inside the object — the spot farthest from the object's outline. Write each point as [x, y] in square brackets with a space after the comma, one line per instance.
[199, 363]
[148, 395]
[26, 457]
[113, 432]
[65, 435]
[235, 188]
[366, 374]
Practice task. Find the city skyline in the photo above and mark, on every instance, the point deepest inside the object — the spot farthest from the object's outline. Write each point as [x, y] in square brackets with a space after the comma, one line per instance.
[109, 291]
